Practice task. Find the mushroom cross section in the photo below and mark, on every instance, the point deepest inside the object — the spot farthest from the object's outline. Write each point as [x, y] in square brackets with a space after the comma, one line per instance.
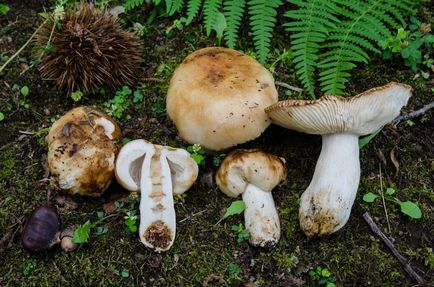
[254, 173]
[326, 204]
[158, 172]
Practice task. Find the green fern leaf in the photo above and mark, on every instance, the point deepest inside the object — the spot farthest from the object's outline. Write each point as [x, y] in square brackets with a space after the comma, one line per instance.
[131, 4]
[233, 11]
[364, 25]
[173, 6]
[210, 11]
[309, 28]
[193, 7]
[262, 20]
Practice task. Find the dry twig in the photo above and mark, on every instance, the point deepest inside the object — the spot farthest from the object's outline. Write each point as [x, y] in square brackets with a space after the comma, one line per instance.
[289, 87]
[404, 262]
[414, 114]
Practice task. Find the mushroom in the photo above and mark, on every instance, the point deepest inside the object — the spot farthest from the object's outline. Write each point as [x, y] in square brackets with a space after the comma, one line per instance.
[159, 172]
[254, 173]
[82, 146]
[217, 96]
[326, 204]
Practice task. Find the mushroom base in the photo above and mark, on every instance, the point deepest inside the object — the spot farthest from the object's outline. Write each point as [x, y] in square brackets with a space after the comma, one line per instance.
[261, 217]
[326, 204]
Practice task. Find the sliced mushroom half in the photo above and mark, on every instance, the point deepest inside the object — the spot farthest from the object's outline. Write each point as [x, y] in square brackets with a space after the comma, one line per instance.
[158, 172]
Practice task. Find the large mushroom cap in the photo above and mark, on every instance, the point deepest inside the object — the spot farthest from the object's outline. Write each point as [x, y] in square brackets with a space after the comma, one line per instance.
[243, 167]
[360, 115]
[82, 146]
[217, 97]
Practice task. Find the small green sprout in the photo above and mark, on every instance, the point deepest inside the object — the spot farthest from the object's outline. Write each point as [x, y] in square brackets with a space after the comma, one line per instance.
[323, 276]
[234, 271]
[197, 153]
[242, 233]
[407, 207]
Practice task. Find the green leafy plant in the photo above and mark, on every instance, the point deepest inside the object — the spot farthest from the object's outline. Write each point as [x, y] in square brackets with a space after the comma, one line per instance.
[131, 221]
[234, 271]
[24, 102]
[236, 207]
[332, 36]
[197, 153]
[415, 45]
[242, 233]
[4, 8]
[217, 159]
[120, 103]
[76, 96]
[323, 276]
[224, 17]
[407, 207]
[2, 116]
[82, 233]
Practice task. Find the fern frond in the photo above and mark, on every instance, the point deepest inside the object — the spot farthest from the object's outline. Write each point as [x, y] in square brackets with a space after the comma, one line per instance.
[233, 11]
[193, 7]
[210, 10]
[262, 20]
[309, 28]
[173, 6]
[364, 25]
[131, 4]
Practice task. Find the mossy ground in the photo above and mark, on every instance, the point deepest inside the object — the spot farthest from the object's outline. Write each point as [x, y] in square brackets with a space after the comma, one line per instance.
[203, 251]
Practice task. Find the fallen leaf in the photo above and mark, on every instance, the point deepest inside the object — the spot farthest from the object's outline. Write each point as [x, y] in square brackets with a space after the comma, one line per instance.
[213, 278]
[110, 207]
[394, 160]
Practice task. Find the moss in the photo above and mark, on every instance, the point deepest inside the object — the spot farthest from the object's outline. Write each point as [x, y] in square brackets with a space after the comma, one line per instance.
[202, 251]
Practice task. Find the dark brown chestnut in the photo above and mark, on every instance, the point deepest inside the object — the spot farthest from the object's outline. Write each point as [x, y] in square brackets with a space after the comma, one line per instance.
[42, 229]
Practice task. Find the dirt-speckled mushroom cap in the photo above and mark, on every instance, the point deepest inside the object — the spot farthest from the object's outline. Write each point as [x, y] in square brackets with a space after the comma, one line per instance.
[256, 167]
[217, 97]
[82, 146]
[362, 114]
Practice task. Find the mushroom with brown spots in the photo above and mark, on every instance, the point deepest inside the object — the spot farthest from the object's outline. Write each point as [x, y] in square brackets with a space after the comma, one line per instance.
[82, 146]
[158, 172]
[326, 204]
[253, 174]
[217, 96]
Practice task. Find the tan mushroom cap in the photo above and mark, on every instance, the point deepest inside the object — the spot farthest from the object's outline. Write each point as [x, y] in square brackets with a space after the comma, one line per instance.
[217, 97]
[256, 167]
[362, 114]
[82, 146]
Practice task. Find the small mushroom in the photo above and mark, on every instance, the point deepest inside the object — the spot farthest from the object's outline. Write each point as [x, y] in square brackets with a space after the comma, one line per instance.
[254, 173]
[82, 146]
[326, 204]
[159, 172]
[217, 96]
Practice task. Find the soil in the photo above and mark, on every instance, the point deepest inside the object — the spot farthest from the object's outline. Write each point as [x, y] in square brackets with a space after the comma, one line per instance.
[204, 253]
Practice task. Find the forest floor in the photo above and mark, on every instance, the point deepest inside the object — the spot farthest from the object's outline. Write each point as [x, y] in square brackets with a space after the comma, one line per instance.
[206, 254]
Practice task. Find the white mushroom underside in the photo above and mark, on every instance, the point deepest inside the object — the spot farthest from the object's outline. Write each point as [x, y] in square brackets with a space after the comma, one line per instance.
[326, 204]
[261, 217]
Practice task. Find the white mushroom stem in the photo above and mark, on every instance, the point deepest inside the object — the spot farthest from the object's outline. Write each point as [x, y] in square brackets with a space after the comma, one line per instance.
[260, 216]
[326, 204]
[157, 211]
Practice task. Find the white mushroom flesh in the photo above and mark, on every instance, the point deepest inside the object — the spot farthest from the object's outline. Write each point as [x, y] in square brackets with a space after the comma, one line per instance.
[157, 185]
[325, 206]
[261, 217]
